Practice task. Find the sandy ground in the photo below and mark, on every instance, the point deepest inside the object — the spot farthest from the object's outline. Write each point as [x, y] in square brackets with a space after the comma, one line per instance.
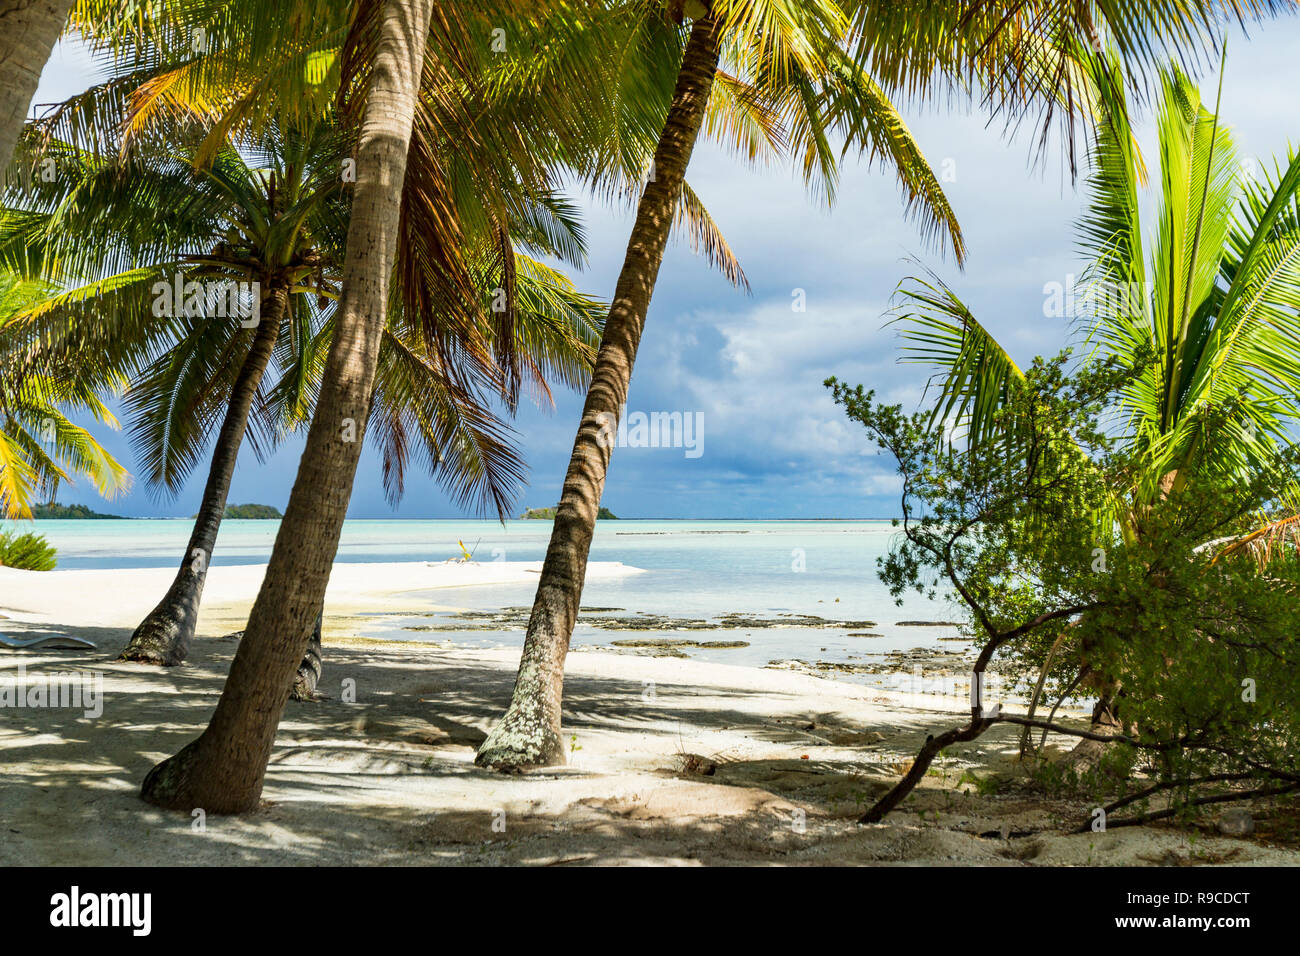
[792, 760]
[121, 597]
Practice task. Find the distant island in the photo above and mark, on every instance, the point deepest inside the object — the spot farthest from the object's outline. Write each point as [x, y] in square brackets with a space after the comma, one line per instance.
[55, 510]
[250, 511]
[548, 514]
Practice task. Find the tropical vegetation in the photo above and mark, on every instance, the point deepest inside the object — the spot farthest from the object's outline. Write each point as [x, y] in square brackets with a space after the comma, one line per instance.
[349, 221]
[1211, 294]
[53, 509]
[26, 552]
[252, 511]
[1100, 527]
[548, 514]
[1189, 652]
[243, 282]
[41, 447]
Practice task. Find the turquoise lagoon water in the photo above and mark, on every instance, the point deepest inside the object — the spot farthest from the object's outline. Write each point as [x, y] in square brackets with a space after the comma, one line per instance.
[693, 570]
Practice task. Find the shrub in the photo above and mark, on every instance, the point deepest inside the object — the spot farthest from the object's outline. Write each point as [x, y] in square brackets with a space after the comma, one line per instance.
[1189, 645]
[26, 552]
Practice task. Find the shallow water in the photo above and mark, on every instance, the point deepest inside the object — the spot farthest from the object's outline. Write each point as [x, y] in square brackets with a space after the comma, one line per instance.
[695, 571]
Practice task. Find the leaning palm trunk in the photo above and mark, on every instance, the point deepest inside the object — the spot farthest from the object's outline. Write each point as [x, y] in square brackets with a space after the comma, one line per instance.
[529, 734]
[309, 669]
[163, 637]
[223, 770]
[28, 32]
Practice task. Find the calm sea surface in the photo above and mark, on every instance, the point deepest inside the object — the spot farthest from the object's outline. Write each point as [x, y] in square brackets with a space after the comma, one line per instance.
[697, 572]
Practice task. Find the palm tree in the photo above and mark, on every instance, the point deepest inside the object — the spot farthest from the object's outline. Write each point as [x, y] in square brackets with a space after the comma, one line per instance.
[1209, 312]
[278, 222]
[40, 447]
[231, 223]
[525, 155]
[1004, 45]
[1215, 300]
[238, 741]
[223, 769]
[228, 88]
[439, 264]
[794, 54]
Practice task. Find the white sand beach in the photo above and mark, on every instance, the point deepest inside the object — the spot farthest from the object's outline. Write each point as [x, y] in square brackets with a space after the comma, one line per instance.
[783, 762]
[122, 596]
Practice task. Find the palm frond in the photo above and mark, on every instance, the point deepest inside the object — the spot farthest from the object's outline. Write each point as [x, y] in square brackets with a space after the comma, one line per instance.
[974, 375]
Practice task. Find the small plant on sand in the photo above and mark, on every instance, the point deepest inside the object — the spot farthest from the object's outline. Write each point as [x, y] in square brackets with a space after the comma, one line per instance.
[985, 786]
[26, 552]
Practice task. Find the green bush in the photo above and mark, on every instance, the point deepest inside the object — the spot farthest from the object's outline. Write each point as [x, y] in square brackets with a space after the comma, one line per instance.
[26, 552]
[1153, 605]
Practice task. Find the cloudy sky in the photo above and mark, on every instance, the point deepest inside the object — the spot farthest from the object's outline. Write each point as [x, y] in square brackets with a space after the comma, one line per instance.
[773, 444]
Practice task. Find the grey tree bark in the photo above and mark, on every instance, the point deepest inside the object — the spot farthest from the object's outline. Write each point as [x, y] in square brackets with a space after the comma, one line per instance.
[529, 733]
[28, 32]
[163, 637]
[223, 770]
[310, 668]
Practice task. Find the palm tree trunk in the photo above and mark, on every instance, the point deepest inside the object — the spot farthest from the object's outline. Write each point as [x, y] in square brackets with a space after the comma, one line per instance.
[223, 770]
[163, 636]
[1086, 755]
[529, 733]
[28, 32]
[309, 669]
